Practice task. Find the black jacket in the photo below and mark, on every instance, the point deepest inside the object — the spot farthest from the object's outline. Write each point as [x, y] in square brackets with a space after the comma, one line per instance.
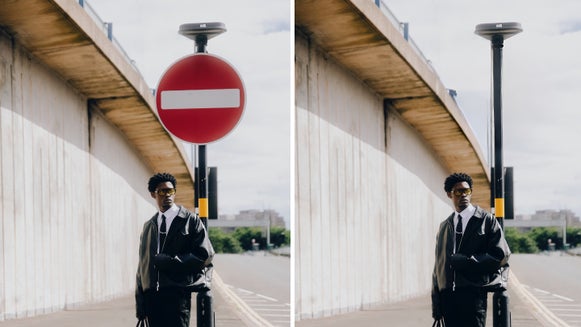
[184, 261]
[482, 252]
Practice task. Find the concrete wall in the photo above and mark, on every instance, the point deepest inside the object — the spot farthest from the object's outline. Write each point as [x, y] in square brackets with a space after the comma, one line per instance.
[73, 194]
[369, 194]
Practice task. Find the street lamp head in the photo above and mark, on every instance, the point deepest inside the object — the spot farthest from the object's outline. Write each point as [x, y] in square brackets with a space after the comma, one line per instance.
[503, 30]
[192, 31]
[202, 32]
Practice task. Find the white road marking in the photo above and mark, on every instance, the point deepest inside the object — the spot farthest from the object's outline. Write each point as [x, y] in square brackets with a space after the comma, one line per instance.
[558, 304]
[563, 298]
[266, 297]
[267, 307]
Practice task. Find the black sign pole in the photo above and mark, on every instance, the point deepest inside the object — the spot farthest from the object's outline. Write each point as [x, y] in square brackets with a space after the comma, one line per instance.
[201, 33]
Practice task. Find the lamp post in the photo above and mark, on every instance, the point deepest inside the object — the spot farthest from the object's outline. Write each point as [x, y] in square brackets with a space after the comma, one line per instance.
[497, 33]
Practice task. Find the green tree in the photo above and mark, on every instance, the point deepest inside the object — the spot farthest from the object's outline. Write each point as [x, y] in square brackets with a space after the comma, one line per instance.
[245, 235]
[223, 242]
[541, 236]
[279, 236]
[520, 242]
[574, 236]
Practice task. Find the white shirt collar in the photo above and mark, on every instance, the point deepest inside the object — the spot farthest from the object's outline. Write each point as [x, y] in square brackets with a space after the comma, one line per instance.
[468, 212]
[466, 215]
[170, 213]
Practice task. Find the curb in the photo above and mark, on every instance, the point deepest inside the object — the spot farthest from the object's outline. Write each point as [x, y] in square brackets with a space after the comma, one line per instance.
[279, 254]
[247, 314]
[539, 310]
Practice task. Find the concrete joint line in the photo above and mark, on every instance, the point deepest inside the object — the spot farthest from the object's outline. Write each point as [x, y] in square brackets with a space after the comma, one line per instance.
[539, 309]
[241, 306]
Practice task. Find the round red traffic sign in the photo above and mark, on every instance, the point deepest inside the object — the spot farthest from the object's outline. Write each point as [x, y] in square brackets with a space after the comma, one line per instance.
[200, 98]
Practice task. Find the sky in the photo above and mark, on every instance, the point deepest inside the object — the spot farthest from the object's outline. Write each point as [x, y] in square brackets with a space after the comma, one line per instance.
[541, 86]
[254, 159]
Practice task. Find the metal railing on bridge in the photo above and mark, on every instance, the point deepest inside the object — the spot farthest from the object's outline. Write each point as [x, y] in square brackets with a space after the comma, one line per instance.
[107, 29]
[404, 30]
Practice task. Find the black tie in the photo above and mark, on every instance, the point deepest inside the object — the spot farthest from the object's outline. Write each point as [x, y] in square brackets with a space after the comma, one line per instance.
[162, 233]
[458, 233]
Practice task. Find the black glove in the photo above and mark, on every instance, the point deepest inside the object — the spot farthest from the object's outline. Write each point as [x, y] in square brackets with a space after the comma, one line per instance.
[486, 263]
[459, 261]
[191, 263]
[163, 261]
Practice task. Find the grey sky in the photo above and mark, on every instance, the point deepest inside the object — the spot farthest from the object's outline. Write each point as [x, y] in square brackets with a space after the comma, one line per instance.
[541, 85]
[253, 160]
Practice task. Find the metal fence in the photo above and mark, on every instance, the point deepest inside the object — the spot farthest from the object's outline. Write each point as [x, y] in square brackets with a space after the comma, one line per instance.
[107, 29]
[403, 28]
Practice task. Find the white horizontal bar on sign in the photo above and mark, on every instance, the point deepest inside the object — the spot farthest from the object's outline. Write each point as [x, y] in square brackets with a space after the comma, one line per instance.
[200, 99]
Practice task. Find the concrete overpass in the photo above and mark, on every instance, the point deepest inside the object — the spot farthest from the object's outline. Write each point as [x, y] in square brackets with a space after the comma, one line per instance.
[360, 37]
[79, 139]
[376, 134]
[61, 35]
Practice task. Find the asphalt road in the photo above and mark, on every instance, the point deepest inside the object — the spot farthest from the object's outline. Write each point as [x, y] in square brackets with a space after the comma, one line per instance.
[553, 279]
[261, 280]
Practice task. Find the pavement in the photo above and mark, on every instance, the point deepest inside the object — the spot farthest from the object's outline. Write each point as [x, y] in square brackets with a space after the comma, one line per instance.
[525, 310]
[230, 310]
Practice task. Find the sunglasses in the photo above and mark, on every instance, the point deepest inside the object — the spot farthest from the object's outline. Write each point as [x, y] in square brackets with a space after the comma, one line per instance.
[166, 191]
[460, 192]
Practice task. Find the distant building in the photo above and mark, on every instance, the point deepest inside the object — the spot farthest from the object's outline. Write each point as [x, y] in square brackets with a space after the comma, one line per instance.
[554, 215]
[276, 220]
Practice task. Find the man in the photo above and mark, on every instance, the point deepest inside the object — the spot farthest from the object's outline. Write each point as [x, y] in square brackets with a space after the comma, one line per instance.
[174, 253]
[470, 249]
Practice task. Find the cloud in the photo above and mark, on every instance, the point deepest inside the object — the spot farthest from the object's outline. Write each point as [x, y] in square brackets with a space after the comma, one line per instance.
[276, 26]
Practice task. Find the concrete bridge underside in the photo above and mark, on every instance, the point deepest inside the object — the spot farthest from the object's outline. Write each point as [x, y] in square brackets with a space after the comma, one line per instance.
[62, 35]
[361, 38]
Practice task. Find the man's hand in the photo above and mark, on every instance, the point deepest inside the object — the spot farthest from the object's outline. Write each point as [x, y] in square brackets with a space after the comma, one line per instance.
[459, 261]
[187, 263]
[163, 261]
[462, 262]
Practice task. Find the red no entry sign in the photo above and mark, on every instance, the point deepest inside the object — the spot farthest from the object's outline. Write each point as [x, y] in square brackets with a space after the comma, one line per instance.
[200, 98]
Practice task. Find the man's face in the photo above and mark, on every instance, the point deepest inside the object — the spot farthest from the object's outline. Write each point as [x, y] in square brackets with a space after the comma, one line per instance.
[164, 195]
[461, 194]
